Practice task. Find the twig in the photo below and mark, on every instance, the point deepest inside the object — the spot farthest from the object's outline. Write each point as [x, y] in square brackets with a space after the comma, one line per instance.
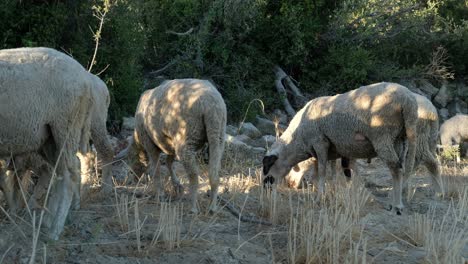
[180, 33]
[6, 252]
[100, 13]
[233, 210]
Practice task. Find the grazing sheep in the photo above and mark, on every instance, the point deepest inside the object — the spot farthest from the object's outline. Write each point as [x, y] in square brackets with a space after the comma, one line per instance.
[454, 131]
[33, 161]
[45, 102]
[427, 130]
[105, 152]
[367, 122]
[178, 118]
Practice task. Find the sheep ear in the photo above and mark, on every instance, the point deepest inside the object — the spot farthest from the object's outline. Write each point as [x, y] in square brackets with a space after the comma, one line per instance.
[268, 161]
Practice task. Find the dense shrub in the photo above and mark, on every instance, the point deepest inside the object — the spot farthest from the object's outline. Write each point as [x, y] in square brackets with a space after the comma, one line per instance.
[326, 46]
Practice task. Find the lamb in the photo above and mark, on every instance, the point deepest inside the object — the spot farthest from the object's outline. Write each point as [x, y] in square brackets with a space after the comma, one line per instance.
[14, 169]
[367, 122]
[427, 130]
[45, 102]
[454, 131]
[178, 118]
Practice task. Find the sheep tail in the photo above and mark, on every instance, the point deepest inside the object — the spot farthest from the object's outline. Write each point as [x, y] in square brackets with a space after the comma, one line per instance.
[410, 116]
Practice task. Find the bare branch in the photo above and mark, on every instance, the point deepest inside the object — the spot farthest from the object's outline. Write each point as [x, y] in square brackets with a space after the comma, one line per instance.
[180, 33]
[101, 15]
[299, 98]
[158, 71]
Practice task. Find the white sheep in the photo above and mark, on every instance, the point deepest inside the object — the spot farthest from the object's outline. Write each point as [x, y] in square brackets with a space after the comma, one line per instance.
[45, 102]
[178, 118]
[33, 161]
[454, 131]
[427, 130]
[367, 122]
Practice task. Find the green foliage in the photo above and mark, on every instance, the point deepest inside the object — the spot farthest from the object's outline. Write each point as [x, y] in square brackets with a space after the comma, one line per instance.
[326, 46]
[450, 152]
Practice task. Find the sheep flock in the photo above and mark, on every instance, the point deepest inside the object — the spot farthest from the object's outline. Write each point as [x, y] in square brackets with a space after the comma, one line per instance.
[54, 112]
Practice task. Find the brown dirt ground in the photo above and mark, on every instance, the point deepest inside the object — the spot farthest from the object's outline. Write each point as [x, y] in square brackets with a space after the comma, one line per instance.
[94, 233]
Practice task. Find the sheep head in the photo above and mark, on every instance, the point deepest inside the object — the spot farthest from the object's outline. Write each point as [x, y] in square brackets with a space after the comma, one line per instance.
[274, 168]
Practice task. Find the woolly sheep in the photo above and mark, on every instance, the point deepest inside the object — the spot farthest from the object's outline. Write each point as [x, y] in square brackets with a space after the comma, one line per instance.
[33, 161]
[384, 114]
[178, 118]
[44, 108]
[427, 130]
[454, 131]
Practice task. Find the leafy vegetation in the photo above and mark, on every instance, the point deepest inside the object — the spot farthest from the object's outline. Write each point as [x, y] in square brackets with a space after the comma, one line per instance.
[326, 46]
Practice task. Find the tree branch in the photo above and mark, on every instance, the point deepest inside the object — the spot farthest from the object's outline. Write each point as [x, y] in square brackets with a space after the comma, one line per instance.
[180, 33]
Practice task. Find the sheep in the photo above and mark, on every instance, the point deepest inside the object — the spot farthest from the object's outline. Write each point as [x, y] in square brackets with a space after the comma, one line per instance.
[427, 130]
[13, 170]
[454, 131]
[305, 171]
[105, 152]
[33, 161]
[45, 102]
[367, 122]
[178, 118]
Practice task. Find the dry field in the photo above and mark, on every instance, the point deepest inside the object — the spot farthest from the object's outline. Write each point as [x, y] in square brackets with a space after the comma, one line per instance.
[350, 224]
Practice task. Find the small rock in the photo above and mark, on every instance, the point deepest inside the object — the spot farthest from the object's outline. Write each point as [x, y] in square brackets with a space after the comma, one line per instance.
[231, 130]
[427, 88]
[128, 123]
[462, 90]
[265, 141]
[241, 149]
[244, 138]
[443, 114]
[457, 106]
[420, 92]
[443, 97]
[250, 130]
[265, 126]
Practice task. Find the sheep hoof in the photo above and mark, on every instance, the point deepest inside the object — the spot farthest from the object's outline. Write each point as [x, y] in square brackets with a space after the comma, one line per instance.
[398, 211]
[389, 208]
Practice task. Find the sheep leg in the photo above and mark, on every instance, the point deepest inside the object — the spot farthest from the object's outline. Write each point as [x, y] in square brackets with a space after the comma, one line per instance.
[105, 154]
[191, 167]
[354, 168]
[153, 153]
[322, 159]
[178, 188]
[432, 165]
[216, 148]
[87, 168]
[387, 153]
[333, 169]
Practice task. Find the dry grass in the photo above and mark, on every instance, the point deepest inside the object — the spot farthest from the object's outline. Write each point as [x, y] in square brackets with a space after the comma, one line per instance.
[169, 225]
[443, 239]
[325, 232]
